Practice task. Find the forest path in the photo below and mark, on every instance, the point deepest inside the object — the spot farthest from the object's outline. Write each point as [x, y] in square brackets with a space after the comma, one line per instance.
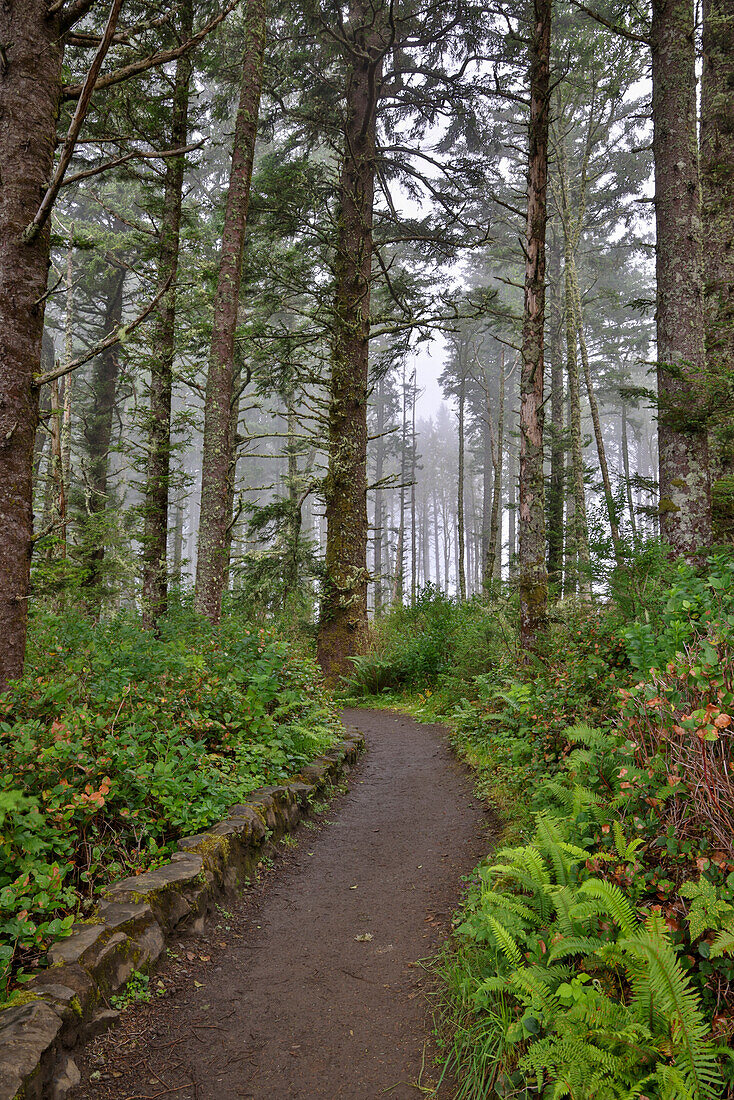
[310, 987]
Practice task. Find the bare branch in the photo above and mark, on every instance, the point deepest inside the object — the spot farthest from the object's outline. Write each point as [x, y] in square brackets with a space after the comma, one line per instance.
[137, 154]
[114, 338]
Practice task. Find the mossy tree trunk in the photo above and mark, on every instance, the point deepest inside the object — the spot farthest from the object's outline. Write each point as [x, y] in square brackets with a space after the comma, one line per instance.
[685, 502]
[98, 439]
[30, 88]
[155, 568]
[343, 620]
[216, 492]
[379, 503]
[556, 479]
[717, 180]
[532, 563]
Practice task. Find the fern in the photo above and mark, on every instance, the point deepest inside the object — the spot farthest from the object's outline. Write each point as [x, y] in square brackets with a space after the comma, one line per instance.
[626, 849]
[504, 941]
[724, 942]
[613, 903]
[574, 945]
[663, 982]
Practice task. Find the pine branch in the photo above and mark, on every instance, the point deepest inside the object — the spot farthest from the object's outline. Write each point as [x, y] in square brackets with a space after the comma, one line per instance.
[162, 57]
[85, 98]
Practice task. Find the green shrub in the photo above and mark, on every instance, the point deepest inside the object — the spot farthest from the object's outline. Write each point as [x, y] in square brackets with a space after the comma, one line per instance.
[116, 743]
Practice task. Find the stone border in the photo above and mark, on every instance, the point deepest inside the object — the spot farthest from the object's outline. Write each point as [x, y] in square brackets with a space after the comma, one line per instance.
[68, 1003]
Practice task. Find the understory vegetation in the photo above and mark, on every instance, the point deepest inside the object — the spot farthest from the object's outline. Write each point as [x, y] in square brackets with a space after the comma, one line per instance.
[117, 743]
[594, 954]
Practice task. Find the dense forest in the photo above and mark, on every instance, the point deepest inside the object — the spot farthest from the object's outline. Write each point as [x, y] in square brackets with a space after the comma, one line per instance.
[384, 349]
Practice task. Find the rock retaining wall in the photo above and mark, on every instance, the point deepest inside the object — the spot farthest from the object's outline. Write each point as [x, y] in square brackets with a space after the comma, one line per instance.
[68, 1002]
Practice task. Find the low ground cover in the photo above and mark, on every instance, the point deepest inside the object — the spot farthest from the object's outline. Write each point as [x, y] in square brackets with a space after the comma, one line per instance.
[116, 743]
[594, 957]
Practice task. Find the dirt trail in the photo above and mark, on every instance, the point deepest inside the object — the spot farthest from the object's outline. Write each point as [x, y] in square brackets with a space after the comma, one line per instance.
[309, 988]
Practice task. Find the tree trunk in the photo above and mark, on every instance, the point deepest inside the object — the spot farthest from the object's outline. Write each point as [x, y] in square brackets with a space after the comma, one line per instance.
[460, 549]
[413, 463]
[425, 542]
[556, 480]
[685, 504]
[494, 552]
[58, 510]
[436, 543]
[596, 421]
[717, 181]
[533, 573]
[157, 488]
[511, 512]
[29, 103]
[627, 479]
[343, 620]
[379, 504]
[98, 436]
[216, 496]
[487, 486]
[581, 527]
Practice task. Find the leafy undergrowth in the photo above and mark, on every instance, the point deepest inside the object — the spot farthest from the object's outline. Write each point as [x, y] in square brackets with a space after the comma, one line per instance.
[116, 743]
[594, 956]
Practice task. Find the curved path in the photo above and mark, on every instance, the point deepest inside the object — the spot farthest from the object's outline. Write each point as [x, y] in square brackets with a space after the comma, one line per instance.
[310, 987]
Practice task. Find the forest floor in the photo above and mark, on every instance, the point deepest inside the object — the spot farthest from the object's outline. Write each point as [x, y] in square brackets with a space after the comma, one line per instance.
[311, 985]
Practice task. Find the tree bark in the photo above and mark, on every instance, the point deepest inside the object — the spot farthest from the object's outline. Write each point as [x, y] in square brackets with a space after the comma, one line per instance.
[379, 504]
[98, 437]
[494, 551]
[343, 620]
[29, 103]
[532, 565]
[216, 511]
[717, 181]
[556, 481]
[487, 481]
[157, 488]
[685, 503]
[413, 464]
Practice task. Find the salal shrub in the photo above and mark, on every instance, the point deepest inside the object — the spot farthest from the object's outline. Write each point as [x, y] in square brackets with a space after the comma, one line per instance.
[116, 743]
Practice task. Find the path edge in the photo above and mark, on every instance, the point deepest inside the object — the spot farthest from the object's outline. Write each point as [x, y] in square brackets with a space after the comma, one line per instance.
[68, 1002]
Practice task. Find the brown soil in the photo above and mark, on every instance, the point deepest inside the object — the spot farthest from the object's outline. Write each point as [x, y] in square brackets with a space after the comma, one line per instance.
[311, 986]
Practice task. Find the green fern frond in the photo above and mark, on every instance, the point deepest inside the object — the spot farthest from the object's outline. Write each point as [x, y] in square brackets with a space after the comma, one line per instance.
[670, 990]
[574, 945]
[724, 943]
[613, 902]
[549, 841]
[504, 941]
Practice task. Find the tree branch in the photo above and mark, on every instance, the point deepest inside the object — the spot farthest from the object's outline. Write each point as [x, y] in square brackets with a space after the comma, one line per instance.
[615, 27]
[75, 126]
[114, 338]
[162, 57]
[137, 154]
